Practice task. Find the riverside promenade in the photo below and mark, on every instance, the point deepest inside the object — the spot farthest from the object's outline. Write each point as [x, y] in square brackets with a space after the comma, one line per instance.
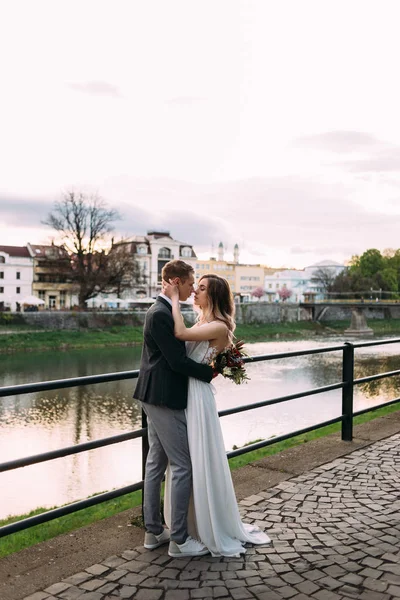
[331, 508]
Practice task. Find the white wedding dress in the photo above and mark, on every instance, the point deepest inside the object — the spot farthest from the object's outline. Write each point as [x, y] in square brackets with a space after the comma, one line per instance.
[213, 514]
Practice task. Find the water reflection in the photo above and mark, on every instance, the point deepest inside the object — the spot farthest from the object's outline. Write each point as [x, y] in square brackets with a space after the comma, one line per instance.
[35, 423]
[383, 389]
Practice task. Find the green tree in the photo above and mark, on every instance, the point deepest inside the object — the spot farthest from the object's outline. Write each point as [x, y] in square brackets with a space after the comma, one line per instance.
[387, 280]
[371, 263]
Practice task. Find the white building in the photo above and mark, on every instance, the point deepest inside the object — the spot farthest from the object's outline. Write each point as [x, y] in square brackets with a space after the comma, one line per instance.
[152, 252]
[300, 282]
[16, 276]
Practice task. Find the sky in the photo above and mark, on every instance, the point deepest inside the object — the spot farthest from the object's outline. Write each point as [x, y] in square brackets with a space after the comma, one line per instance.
[273, 125]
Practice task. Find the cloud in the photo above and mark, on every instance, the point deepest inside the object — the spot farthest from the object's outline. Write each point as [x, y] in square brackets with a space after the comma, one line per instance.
[372, 154]
[317, 219]
[199, 230]
[387, 160]
[186, 100]
[24, 212]
[340, 141]
[96, 88]
[277, 220]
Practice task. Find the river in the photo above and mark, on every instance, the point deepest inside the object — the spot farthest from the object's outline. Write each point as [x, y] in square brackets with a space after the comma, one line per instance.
[35, 423]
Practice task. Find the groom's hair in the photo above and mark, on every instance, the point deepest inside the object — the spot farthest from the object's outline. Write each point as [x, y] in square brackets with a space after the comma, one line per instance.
[176, 268]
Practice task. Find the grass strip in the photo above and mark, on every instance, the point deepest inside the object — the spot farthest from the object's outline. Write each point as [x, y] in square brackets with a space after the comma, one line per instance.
[32, 341]
[39, 533]
[62, 340]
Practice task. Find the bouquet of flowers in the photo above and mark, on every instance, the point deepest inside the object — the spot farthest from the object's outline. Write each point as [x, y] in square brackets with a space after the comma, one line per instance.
[229, 363]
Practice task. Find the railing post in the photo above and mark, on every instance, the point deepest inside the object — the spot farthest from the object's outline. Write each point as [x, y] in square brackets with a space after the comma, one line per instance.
[145, 451]
[347, 392]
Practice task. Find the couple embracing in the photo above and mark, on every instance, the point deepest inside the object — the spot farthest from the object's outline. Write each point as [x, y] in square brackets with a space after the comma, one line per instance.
[185, 437]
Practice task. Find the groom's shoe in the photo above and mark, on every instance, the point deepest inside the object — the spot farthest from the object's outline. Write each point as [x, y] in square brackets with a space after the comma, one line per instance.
[152, 541]
[191, 547]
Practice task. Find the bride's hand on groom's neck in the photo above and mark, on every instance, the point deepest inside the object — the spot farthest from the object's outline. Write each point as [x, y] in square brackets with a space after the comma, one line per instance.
[170, 289]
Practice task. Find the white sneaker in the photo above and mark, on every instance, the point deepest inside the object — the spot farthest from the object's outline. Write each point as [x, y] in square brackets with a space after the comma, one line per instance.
[191, 547]
[152, 541]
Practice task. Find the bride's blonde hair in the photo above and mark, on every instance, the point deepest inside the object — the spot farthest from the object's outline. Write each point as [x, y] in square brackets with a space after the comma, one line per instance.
[221, 305]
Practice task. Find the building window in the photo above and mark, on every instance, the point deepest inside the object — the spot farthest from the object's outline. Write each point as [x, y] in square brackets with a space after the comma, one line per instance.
[164, 253]
[141, 250]
[63, 294]
[18, 275]
[1, 274]
[18, 290]
[1, 290]
[186, 252]
[42, 294]
[2, 259]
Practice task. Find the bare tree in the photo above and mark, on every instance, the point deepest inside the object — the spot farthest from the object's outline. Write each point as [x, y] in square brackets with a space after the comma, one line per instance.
[324, 277]
[84, 222]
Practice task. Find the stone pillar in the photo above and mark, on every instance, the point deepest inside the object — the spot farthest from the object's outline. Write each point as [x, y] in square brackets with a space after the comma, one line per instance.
[358, 325]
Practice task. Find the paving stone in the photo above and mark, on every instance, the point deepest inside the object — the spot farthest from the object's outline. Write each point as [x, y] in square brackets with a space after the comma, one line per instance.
[113, 561]
[212, 582]
[92, 585]
[349, 591]
[98, 569]
[129, 554]
[287, 591]
[241, 594]
[207, 575]
[205, 592]
[57, 588]
[220, 592]
[177, 595]
[307, 587]
[37, 596]
[377, 585]
[189, 585]
[78, 578]
[115, 575]
[107, 588]
[149, 595]
[71, 593]
[91, 596]
[132, 579]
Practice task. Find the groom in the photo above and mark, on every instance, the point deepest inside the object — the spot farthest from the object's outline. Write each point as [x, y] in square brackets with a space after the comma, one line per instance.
[162, 389]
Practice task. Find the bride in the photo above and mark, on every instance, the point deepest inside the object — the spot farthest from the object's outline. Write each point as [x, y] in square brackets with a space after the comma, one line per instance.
[213, 515]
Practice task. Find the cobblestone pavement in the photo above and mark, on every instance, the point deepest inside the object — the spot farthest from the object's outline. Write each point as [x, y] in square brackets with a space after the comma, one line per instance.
[335, 534]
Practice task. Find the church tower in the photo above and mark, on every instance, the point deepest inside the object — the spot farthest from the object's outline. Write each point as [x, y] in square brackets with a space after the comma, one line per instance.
[220, 251]
[236, 253]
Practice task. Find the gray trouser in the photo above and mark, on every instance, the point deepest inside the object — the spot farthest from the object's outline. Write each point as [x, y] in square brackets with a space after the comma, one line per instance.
[168, 443]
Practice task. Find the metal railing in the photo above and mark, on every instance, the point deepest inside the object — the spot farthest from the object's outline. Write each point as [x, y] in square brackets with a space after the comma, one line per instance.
[346, 418]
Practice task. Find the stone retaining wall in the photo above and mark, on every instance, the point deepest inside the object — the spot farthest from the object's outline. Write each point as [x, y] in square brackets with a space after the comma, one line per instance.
[252, 312]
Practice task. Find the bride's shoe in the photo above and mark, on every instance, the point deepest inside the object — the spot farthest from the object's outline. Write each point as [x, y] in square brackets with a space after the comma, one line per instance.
[191, 547]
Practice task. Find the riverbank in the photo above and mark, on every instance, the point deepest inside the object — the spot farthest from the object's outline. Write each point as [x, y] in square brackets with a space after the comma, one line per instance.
[20, 339]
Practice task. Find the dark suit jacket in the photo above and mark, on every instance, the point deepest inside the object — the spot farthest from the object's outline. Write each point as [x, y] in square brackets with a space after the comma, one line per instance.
[164, 367]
